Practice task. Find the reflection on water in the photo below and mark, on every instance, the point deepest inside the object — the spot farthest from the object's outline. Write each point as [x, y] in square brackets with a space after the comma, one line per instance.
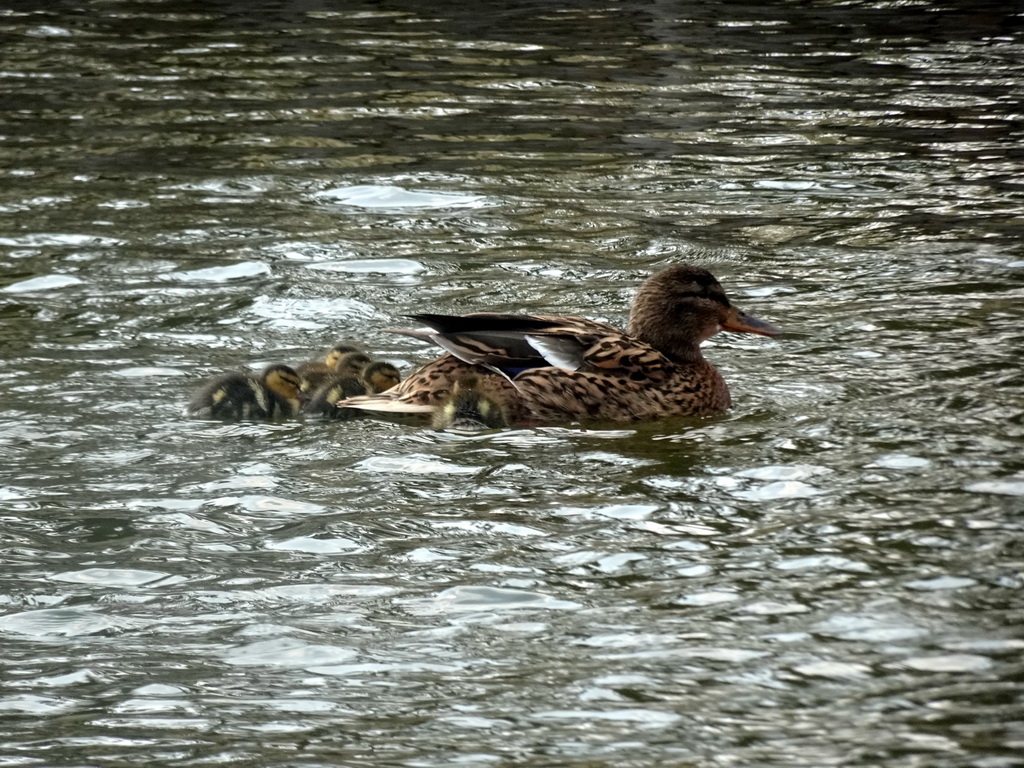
[825, 576]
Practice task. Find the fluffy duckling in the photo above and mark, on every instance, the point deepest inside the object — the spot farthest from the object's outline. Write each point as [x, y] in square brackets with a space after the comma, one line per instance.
[469, 407]
[323, 401]
[316, 372]
[351, 364]
[369, 380]
[380, 376]
[273, 394]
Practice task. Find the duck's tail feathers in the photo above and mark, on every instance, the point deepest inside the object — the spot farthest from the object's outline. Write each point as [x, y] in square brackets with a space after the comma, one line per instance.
[384, 405]
[423, 334]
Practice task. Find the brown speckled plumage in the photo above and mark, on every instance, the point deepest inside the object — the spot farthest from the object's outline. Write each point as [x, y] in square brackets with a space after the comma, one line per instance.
[557, 369]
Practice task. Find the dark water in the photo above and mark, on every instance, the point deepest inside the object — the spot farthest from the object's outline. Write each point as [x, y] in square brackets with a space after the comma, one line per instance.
[828, 576]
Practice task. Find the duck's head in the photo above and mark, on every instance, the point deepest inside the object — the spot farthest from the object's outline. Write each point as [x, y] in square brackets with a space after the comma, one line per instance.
[380, 376]
[338, 351]
[284, 381]
[679, 307]
[352, 363]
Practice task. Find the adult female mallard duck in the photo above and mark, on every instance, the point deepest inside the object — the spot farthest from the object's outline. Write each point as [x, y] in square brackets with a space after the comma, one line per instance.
[273, 394]
[541, 368]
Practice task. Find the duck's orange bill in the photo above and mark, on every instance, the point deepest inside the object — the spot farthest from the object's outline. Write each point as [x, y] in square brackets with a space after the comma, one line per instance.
[741, 322]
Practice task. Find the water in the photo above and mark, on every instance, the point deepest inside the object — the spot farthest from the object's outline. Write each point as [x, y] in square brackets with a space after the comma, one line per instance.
[829, 575]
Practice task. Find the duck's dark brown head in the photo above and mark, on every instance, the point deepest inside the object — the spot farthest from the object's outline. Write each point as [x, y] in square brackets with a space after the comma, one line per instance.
[678, 308]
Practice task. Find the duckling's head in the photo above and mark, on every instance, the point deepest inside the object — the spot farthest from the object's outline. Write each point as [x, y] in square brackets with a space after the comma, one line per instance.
[338, 351]
[469, 407]
[283, 380]
[380, 376]
[352, 363]
[679, 307]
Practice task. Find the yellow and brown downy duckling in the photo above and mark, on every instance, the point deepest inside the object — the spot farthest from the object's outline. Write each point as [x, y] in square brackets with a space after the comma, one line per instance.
[347, 365]
[373, 378]
[469, 407]
[380, 376]
[323, 401]
[547, 369]
[273, 394]
[316, 372]
[351, 364]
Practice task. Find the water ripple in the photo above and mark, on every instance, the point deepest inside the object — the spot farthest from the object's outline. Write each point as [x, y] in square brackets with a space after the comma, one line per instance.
[826, 575]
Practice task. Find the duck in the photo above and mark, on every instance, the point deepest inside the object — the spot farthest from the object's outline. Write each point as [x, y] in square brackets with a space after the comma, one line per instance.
[351, 364]
[469, 407]
[324, 401]
[544, 369]
[316, 372]
[272, 394]
[378, 376]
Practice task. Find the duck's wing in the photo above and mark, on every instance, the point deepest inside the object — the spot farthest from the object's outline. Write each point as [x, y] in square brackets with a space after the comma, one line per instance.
[511, 344]
[512, 347]
[620, 355]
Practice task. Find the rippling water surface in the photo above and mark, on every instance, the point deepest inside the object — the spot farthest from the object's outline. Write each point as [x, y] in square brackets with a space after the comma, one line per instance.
[829, 575]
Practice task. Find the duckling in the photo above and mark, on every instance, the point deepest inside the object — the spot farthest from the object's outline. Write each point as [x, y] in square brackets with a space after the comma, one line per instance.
[274, 393]
[380, 376]
[322, 402]
[469, 407]
[351, 363]
[372, 379]
[316, 372]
